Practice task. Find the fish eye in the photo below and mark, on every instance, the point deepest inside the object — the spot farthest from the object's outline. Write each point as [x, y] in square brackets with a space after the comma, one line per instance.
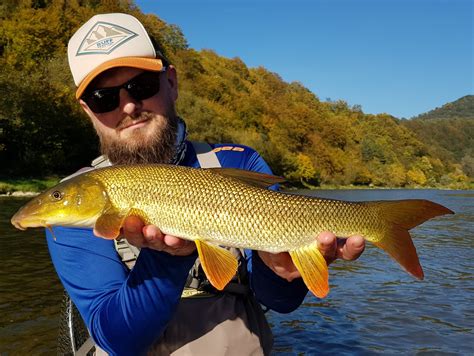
[56, 195]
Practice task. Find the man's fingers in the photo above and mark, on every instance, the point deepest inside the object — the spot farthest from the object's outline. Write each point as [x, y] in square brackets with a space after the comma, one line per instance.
[347, 249]
[132, 229]
[327, 245]
[168, 243]
[151, 236]
[152, 233]
[351, 248]
[284, 267]
[175, 242]
[177, 246]
[281, 264]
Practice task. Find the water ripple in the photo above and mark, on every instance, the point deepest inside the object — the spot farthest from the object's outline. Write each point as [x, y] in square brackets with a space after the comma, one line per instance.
[373, 308]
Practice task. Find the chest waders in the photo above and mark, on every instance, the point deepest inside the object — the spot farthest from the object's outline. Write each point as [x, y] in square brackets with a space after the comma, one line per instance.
[240, 315]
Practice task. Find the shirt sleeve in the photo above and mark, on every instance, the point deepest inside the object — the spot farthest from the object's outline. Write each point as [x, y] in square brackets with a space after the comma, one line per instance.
[271, 290]
[124, 311]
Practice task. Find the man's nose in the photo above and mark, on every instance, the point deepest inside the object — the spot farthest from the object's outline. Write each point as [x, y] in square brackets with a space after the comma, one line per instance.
[128, 104]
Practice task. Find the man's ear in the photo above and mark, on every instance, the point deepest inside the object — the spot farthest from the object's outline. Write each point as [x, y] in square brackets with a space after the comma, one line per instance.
[172, 78]
[86, 108]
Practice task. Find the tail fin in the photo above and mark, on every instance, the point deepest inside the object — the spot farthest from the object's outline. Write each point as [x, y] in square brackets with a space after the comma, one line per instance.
[401, 216]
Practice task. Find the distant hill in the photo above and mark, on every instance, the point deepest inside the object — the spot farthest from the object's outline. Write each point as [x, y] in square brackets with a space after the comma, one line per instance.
[448, 131]
[461, 108]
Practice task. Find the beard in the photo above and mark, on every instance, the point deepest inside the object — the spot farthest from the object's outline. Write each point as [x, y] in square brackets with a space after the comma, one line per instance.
[153, 143]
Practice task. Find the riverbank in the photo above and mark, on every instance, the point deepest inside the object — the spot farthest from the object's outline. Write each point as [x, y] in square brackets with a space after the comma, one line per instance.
[26, 186]
[458, 186]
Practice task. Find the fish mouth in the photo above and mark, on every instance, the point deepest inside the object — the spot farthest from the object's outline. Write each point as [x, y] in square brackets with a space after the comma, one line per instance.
[23, 221]
[17, 224]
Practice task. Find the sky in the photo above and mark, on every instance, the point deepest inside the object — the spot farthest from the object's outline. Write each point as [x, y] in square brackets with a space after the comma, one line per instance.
[401, 57]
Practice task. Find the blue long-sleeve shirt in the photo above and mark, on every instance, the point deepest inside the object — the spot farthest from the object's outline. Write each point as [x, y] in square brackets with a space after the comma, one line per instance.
[126, 311]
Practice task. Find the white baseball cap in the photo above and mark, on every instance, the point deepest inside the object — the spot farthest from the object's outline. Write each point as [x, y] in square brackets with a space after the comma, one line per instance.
[108, 41]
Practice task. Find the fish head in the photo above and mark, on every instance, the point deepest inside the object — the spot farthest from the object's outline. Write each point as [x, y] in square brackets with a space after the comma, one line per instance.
[78, 201]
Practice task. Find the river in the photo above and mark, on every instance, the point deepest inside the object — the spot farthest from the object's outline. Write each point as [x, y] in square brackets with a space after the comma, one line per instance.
[374, 307]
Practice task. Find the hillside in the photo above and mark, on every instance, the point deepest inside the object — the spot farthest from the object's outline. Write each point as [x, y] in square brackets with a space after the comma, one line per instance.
[462, 108]
[310, 142]
[448, 131]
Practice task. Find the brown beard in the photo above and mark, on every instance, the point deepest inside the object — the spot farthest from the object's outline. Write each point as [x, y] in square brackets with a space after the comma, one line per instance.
[144, 147]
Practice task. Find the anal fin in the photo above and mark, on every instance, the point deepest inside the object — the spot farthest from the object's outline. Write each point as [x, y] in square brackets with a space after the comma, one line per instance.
[219, 264]
[313, 268]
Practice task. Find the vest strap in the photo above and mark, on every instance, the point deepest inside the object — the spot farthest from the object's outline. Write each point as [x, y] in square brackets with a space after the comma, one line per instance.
[86, 347]
[101, 161]
[127, 252]
[206, 157]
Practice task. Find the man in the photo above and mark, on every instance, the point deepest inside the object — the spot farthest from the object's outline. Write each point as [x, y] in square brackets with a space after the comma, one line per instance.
[128, 89]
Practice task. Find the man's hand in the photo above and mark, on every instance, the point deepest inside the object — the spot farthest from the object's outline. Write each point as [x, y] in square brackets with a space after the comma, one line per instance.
[140, 235]
[330, 246]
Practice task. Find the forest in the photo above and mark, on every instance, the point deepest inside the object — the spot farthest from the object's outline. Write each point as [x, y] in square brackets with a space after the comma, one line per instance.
[312, 143]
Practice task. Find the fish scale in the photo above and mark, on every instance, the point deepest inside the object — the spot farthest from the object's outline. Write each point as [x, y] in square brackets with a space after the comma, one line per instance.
[198, 204]
[228, 207]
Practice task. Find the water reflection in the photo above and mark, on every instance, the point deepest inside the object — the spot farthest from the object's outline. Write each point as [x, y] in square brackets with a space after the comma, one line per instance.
[374, 307]
[30, 291]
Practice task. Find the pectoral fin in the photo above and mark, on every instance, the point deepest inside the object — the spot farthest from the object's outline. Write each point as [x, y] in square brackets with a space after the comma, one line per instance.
[219, 264]
[313, 268]
[109, 223]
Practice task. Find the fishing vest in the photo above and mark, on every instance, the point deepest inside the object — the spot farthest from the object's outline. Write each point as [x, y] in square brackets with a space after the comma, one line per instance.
[207, 321]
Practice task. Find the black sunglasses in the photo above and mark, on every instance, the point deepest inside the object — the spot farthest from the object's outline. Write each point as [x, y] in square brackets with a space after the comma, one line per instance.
[141, 87]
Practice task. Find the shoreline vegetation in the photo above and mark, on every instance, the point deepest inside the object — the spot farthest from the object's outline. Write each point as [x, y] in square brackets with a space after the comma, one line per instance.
[312, 143]
[25, 187]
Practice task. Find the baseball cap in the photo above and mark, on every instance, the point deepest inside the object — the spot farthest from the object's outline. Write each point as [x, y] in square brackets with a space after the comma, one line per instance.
[108, 41]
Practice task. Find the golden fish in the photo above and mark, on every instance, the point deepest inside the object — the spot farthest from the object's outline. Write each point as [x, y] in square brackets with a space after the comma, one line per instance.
[228, 207]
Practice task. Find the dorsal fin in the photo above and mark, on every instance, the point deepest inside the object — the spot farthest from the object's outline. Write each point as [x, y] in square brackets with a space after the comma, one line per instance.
[261, 180]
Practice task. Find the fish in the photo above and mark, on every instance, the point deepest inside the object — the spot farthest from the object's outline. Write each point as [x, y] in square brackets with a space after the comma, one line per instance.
[228, 207]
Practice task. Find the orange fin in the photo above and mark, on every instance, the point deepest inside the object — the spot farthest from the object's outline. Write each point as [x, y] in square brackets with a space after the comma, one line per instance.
[108, 225]
[401, 216]
[261, 180]
[313, 268]
[398, 244]
[409, 213]
[219, 264]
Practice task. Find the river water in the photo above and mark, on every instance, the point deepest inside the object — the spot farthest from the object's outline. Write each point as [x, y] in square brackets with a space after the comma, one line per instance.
[374, 307]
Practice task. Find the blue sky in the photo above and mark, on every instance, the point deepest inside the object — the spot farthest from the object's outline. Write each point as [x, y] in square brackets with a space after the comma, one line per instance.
[402, 57]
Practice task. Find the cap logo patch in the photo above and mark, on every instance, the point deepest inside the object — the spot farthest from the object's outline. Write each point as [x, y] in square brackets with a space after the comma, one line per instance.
[103, 38]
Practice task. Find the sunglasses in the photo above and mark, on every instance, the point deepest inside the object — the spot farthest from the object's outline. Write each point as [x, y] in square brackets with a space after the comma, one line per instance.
[141, 87]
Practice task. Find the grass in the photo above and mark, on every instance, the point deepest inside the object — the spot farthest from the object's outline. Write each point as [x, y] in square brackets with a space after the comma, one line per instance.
[8, 186]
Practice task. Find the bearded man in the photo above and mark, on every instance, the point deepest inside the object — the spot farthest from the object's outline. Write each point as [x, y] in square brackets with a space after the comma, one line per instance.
[129, 89]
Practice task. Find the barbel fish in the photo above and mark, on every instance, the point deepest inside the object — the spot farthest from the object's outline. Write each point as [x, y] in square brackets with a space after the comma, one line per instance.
[228, 207]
